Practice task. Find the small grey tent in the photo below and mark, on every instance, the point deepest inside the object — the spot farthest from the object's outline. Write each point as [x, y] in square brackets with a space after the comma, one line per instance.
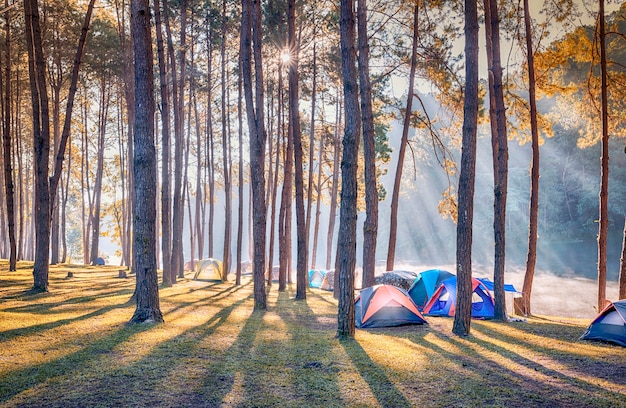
[609, 325]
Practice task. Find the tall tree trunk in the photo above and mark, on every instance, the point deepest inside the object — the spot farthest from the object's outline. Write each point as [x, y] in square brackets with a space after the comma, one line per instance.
[335, 188]
[463, 313]
[284, 222]
[274, 185]
[395, 195]
[6, 142]
[177, 102]
[318, 202]
[226, 161]
[41, 143]
[622, 267]
[95, 212]
[531, 257]
[294, 118]
[251, 33]
[500, 152]
[145, 169]
[604, 169]
[166, 205]
[309, 190]
[370, 226]
[241, 170]
[346, 253]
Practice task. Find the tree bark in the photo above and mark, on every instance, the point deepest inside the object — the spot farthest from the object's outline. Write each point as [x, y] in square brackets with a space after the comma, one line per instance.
[604, 169]
[145, 169]
[463, 313]
[531, 257]
[251, 33]
[226, 161]
[499, 150]
[6, 142]
[370, 226]
[294, 124]
[335, 187]
[166, 205]
[395, 197]
[41, 143]
[346, 245]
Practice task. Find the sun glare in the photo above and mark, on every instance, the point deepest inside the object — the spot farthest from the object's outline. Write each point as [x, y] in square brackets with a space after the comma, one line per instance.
[285, 57]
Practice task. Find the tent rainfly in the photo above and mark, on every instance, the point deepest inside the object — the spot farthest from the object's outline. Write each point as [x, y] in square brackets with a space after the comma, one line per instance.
[609, 325]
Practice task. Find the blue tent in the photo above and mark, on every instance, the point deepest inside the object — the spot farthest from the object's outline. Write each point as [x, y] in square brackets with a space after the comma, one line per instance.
[443, 301]
[489, 285]
[316, 277]
[609, 325]
[425, 285]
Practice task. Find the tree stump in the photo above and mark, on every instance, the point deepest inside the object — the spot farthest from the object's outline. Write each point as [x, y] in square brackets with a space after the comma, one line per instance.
[122, 274]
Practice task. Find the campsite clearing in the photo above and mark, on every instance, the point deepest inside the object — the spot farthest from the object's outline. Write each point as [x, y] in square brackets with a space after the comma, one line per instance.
[71, 347]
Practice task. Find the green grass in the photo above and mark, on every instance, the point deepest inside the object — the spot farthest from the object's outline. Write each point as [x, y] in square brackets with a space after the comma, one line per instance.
[72, 347]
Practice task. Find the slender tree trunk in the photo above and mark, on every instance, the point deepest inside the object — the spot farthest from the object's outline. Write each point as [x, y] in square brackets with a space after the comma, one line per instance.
[463, 313]
[274, 186]
[318, 202]
[294, 118]
[335, 188]
[251, 33]
[226, 161]
[166, 205]
[309, 190]
[241, 170]
[604, 169]
[346, 254]
[500, 152]
[622, 267]
[41, 143]
[95, 212]
[395, 195]
[7, 146]
[531, 257]
[177, 102]
[284, 222]
[145, 171]
[370, 226]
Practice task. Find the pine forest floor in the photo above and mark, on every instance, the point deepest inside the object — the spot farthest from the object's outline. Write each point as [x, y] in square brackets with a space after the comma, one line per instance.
[72, 347]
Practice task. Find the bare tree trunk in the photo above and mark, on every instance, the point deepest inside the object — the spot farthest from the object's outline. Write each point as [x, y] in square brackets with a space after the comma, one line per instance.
[41, 143]
[95, 212]
[226, 161]
[241, 170]
[604, 169]
[622, 267]
[318, 202]
[284, 222]
[294, 124]
[145, 169]
[251, 33]
[395, 195]
[166, 205]
[463, 313]
[531, 257]
[500, 152]
[335, 187]
[7, 147]
[309, 199]
[370, 227]
[274, 184]
[346, 253]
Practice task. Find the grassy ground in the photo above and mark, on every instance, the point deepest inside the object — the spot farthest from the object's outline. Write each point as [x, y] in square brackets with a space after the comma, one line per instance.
[71, 347]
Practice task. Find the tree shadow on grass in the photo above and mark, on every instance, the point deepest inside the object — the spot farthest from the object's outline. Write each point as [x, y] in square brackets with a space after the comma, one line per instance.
[15, 382]
[385, 392]
[496, 376]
